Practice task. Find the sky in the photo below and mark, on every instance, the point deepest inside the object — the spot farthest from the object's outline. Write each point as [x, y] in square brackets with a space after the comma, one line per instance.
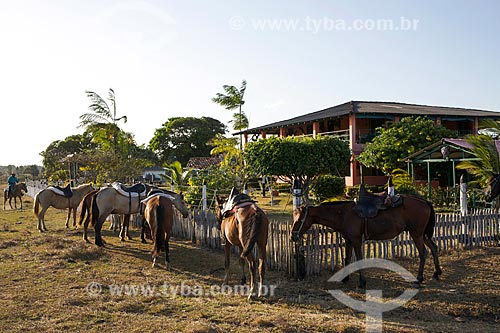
[169, 58]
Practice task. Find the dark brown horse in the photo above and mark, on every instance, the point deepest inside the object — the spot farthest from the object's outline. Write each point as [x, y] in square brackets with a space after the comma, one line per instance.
[245, 226]
[159, 214]
[415, 216]
[85, 212]
[17, 192]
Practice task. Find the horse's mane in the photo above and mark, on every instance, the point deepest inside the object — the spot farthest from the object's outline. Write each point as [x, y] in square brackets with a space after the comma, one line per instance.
[335, 203]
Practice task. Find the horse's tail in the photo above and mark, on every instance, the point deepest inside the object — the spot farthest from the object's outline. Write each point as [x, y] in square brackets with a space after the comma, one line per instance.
[85, 210]
[95, 211]
[36, 204]
[159, 243]
[255, 225]
[429, 229]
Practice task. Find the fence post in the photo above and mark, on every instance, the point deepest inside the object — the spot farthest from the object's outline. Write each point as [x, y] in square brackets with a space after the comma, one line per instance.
[297, 193]
[204, 197]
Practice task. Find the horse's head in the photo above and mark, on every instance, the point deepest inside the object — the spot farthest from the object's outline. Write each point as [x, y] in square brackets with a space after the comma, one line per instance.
[23, 187]
[493, 188]
[302, 221]
[181, 205]
[219, 206]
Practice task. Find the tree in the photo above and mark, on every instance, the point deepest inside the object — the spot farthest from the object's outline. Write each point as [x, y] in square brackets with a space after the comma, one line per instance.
[233, 99]
[102, 121]
[484, 147]
[391, 145]
[181, 138]
[298, 158]
[177, 175]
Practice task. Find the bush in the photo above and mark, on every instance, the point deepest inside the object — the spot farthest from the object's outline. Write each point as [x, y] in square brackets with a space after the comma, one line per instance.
[327, 187]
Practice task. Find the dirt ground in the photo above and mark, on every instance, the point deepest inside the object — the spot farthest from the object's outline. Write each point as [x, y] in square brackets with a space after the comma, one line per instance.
[54, 282]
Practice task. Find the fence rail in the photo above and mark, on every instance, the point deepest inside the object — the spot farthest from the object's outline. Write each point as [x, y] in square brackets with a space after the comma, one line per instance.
[324, 249]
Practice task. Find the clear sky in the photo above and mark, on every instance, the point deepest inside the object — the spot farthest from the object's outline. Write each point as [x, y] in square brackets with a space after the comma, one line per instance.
[167, 58]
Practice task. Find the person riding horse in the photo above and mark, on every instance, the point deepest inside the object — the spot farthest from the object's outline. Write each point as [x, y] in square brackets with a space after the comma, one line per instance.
[12, 181]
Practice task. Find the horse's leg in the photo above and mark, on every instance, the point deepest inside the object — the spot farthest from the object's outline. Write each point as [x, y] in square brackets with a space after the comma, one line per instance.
[348, 256]
[69, 216]
[434, 250]
[262, 264]
[124, 228]
[253, 272]
[422, 254]
[227, 255]
[41, 220]
[97, 231]
[143, 230]
[167, 250]
[74, 217]
[85, 226]
[10, 202]
[358, 250]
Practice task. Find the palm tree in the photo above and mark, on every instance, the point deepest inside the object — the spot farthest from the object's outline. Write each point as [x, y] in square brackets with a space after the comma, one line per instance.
[485, 148]
[233, 99]
[177, 175]
[103, 115]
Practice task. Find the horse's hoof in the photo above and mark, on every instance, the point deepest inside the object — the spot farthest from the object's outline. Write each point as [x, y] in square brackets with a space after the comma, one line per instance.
[122, 239]
[416, 284]
[129, 238]
[436, 276]
[143, 241]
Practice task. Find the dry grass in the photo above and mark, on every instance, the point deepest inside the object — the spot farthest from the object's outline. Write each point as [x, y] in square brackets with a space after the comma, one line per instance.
[44, 282]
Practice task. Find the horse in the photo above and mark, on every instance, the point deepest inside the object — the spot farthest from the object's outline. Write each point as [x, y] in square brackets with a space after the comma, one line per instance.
[159, 215]
[493, 188]
[178, 201]
[85, 212]
[111, 200]
[17, 192]
[47, 198]
[245, 226]
[415, 215]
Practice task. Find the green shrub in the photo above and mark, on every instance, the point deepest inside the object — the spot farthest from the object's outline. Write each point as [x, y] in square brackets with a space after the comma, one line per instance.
[327, 186]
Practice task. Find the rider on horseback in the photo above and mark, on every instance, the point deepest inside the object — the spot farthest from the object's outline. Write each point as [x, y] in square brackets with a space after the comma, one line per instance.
[12, 181]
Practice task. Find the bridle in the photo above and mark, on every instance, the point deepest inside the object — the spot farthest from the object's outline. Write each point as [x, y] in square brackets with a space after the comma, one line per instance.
[302, 222]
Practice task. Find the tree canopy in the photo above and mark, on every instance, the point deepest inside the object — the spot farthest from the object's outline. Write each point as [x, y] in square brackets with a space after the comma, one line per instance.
[391, 145]
[181, 138]
[298, 158]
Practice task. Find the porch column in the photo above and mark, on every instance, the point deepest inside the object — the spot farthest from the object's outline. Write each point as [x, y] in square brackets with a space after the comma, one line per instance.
[315, 129]
[282, 132]
[429, 193]
[352, 130]
[475, 127]
[263, 134]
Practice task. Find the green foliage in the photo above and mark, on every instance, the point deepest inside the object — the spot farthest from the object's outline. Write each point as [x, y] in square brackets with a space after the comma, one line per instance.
[232, 99]
[327, 186]
[181, 138]
[177, 175]
[391, 145]
[403, 183]
[484, 147]
[216, 178]
[298, 158]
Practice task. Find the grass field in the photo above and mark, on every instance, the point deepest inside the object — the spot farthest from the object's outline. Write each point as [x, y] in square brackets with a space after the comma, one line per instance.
[54, 282]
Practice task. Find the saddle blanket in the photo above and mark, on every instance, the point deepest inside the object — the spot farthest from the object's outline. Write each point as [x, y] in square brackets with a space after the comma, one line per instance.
[55, 190]
[118, 188]
[145, 201]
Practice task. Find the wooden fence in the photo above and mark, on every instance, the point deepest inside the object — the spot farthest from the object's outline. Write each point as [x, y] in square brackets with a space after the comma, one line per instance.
[324, 249]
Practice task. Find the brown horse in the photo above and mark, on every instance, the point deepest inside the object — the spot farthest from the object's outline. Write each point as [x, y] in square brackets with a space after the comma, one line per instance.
[415, 216]
[47, 198]
[17, 192]
[245, 226]
[159, 214]
[85, 212]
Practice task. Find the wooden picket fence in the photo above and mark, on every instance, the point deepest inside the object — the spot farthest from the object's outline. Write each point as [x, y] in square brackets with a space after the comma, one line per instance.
[324, 249]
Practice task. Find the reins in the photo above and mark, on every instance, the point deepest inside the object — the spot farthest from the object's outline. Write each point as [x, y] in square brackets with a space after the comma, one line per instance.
[303, 220]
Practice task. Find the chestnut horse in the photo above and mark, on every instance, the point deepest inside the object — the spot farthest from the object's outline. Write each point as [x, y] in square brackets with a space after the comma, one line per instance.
[47, 198]
[159, 214]
[245, 226]
[415, 215]
[85, 212]
[17, 192]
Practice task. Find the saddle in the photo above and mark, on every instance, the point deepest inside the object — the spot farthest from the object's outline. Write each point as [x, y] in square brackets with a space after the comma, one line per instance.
[369, 204]
[67, 191]
[236, 199]
[136, 188]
